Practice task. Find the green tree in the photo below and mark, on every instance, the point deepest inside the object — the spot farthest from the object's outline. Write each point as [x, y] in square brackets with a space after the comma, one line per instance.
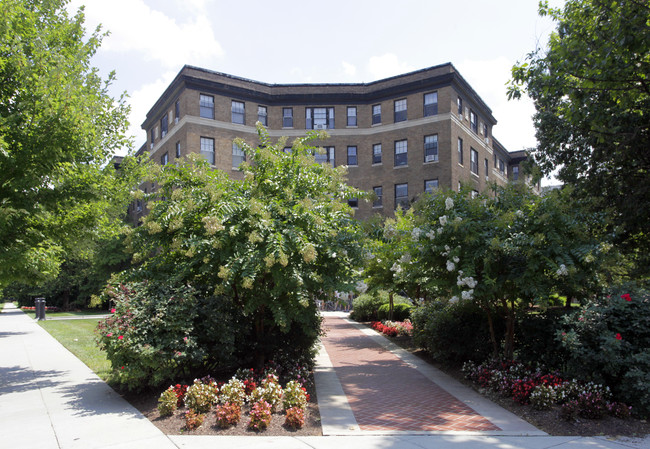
[591, 91]
[272, 242]
[59, 128]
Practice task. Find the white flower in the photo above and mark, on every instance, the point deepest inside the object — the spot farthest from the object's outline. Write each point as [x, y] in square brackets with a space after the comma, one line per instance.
[458, 219]
[447, 248]
[362, 287]
[453, 299]
[415, 233]
[519, 214]
[470, 282]
[406, 258]
[431, 235]
[443, 220]
[439, 230]
[456, 259]
[450, 266]
[449, 203]
[467, 294]
[562, 271]
[396, 268]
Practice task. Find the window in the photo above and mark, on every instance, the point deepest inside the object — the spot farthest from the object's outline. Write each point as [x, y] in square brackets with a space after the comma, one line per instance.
[431, 148]
[485, 130]
[153, 138]
[238, 156]
[400, 110]
[401, 153]
[376, 114]
[319, 118]
[287, 150]
[460, 151]
[495, 160]
[352, 155]
[472, 121]
[178, 149]
[163, 126]
[177, 111]
[164, 159]
[376, 153]
[459, 102]
[430, 184]
[237, 112]
[378, 197]
[402, 196]
[430, 104]
[487, 168]
[262, 115]
[353, 202]
[207, 149]
[515, 173]
[326, 157]
[474, 193]
[502, 167]
[473, 161]
[206, 105]
[352, 116]
[287, 117]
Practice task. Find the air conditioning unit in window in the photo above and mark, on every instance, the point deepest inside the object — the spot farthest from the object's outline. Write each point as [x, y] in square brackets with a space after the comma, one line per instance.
[176, 120]
[320, 126]
[487, 140]
[151, 146]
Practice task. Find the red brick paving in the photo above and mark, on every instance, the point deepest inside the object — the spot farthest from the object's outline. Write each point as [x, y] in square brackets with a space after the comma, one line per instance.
[385, 393]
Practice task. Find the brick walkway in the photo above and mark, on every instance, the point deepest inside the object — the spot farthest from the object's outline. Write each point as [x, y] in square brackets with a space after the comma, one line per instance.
[386, 394]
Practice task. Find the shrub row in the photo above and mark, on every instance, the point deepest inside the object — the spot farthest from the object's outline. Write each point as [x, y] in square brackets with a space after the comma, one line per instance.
[374, 307]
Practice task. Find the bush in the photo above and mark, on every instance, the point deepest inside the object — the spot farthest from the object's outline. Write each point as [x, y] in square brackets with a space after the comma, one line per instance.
[365, 307]
[607, 341]
[295, 395]
[156, 334]
[454, 333]
[200, 397]
[228, 415]
[234, 392]
[193, 419]
[401, 312]
[534, 332]
[168, 402]
[543, 397]
[270, 392]
[260, 416]
[295, 418]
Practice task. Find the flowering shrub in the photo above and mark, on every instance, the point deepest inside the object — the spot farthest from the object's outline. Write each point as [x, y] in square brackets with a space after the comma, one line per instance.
[270, 392]
[260, 416]
[294, 396]
[167, 402]
[179, 391]
[569, 410]
[228, 414]
[543, 397]
[233, 392]
[607, 341]
[591, 405]
[619, 410]
[393, 328]
[294, 418]
[193, 419]
[201, 397]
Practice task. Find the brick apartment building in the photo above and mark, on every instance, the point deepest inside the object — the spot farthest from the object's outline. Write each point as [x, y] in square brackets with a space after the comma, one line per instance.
[399, 136]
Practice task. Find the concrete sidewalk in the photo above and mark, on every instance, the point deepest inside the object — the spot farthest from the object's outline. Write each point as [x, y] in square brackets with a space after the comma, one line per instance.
[50, 399]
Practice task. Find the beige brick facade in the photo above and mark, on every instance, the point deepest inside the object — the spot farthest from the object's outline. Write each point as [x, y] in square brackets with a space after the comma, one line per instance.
[198, 107]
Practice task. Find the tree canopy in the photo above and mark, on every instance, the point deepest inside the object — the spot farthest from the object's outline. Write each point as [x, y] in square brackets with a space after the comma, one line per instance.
[591, 91]
[59, 128]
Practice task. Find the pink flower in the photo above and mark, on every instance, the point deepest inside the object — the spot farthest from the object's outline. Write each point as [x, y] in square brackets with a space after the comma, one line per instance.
[185, 338]
[626, 297]
[618, 337]
[110, 334]
[121, 337]
[112, 310]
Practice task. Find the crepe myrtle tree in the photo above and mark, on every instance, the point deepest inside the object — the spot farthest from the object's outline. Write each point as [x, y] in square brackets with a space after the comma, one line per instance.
[504, 252]
[272, 242]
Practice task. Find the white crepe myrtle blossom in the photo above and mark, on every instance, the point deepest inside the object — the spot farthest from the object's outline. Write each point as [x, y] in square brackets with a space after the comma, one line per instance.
[450, 266]
[397, 268]
[562, 271]
[362, 287]
[431, 235]
[443, 220]
[453, 299]
[467, 295]
[449, 203]
[415, 233]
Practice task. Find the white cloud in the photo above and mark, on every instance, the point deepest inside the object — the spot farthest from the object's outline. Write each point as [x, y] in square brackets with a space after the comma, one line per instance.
[349, 69]
[134, 26]
[386, 66]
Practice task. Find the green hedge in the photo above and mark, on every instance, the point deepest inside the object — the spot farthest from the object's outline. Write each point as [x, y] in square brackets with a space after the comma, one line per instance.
[400, 312]
[365, 307]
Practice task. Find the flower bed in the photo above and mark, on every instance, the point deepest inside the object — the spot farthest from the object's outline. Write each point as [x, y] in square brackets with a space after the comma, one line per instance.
[393, 328]
[546, 390]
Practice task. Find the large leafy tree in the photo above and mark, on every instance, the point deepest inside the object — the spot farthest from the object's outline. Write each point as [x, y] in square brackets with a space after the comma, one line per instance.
[591, 89]
[271, 243]
[59, 127]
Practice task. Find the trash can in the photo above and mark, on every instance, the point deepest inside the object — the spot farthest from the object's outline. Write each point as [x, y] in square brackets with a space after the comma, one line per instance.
[40, 309]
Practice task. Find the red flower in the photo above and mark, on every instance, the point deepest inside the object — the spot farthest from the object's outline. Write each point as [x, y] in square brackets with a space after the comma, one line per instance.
[112, 310]
[626, 297]
[121, 337]
[618, 337]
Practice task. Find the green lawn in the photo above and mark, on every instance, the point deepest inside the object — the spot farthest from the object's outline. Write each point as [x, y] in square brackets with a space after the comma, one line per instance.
[49, 314]
[78, 336]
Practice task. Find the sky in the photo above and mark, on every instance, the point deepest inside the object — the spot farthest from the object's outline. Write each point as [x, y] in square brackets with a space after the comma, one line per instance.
[335, 41]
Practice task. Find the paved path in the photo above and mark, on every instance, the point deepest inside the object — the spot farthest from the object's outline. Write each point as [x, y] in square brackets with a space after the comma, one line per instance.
[49, 399]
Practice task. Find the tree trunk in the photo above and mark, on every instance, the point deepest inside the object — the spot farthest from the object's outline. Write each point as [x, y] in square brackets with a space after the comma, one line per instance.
[509, 346]
[390, 306]
[493, 337]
